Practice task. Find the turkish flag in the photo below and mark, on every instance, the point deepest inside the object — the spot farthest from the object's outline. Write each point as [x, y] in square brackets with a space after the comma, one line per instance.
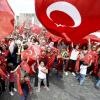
[54, 38]
[6, 19]
[21, 28]
[31, 52]
[18, 73]
[28, 53]
[66, 38]
[76, 18]
[25, 67]
[50, 62]
[36, 29]
[92, 38]
[37, 50]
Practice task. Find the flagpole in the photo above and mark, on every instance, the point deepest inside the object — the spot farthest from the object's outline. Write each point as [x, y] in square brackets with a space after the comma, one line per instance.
[89, 44]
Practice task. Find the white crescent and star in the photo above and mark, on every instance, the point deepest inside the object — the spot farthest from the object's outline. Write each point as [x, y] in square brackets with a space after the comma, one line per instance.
[67, 8]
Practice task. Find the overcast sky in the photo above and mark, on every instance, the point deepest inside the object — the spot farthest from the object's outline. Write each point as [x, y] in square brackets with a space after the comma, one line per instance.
[22, 6]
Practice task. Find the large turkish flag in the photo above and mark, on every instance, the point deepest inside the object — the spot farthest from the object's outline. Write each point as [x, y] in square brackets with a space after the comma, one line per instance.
[6, 19]
[76, 18]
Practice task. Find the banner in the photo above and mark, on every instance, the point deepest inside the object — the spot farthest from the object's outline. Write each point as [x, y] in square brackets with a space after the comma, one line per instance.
[76, 18]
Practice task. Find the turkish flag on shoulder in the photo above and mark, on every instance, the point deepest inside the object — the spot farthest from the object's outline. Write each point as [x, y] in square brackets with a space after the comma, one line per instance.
[75, 18]
[6, 19]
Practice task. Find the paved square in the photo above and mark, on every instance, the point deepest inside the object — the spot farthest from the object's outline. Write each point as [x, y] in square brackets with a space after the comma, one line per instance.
[65, 89]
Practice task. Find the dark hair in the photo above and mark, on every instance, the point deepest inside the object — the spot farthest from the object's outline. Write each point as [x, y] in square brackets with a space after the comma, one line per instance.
[43, 60]
[26, 75]
[1, 49]
[25, 47]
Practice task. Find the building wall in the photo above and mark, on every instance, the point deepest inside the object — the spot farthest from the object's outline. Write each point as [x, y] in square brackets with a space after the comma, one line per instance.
[27, 18]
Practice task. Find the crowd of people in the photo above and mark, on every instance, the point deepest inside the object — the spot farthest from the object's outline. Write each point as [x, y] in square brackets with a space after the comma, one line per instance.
[28, 54]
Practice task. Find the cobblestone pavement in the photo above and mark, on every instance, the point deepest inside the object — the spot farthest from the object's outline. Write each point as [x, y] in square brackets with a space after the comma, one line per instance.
[65, 89]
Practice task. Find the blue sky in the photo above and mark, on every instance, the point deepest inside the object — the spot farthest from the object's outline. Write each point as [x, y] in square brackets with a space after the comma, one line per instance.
[22, 6]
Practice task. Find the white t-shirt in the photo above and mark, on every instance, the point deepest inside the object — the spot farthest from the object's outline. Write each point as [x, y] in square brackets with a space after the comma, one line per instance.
[74, 54]
[11, 47]
[83, 69]
[41, 74]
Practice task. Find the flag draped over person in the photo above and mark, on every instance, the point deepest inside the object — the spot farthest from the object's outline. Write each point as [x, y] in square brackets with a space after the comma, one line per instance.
[6, 19]
[76, 18]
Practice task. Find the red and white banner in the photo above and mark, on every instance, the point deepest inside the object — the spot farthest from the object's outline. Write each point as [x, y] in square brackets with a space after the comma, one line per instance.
[32, 52]
[92, 38]
[6, 19]
[76, 18]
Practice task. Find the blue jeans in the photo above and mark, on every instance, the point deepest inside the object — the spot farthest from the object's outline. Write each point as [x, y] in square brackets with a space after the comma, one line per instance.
[25, 96]
[81, 78]
[98, 83]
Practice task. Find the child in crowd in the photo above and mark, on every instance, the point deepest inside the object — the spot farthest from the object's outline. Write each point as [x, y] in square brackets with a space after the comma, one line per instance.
[42, 71]
[82, 74]
[25, 86]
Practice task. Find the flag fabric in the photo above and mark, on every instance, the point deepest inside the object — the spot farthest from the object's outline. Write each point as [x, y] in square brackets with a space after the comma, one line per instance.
[76, 18]
[3, 74]
[24, 65]
[53, 37]
[92, 38]
[6, 19]
[36, 29]
[37, 50]
[31, 52]
[28, 53]
[21, 28]
[18, 73]
[66, 37]
[50, 62]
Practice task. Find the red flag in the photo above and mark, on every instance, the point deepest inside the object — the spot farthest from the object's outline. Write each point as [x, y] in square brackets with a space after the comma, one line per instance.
[50, 62]
[31, 52]
[21, 28]
[3, 74]
[66, 37]
[48, 35]
[77, 66]
[28, 53]
[36, 29]
[76, 18]
[92, 38]
[6, 19]
[25, 67]
[18, 73]
[54, 38]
